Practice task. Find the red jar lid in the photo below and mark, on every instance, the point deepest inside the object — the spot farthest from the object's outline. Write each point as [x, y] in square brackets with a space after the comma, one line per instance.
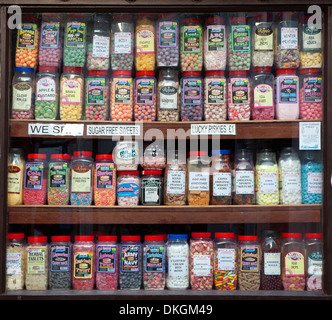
[201, 234]
[314, 235]
[78, 69]
[36, 156]
[258, 69]
[191, 73]
[37, 239]
[151, 172]
[149, 15]
[104, 157]
[191, 20]
[107, 238]
[167, 15]
[98, 72]
[121, 73]
[60, 156]
[48, 68]
[130, 238]
[129, 172]
[291, 235]
[83, 153]
[281, 71]
[12, 236]
[122, 16]
[238, 72]
[144, 73]
[197, 153]
[247, 238]
[310, 70]
[214, 20]
[263, 17]
[60, 238]
[215, 73]
[84, 238]
[238, 20]
[224, 235]
[154, 238]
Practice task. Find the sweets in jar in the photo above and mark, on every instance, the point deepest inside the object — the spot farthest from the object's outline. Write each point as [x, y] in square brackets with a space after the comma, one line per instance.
[128, 188]
[126, 155]
[151, 187]
[15, 177]
[154, 156]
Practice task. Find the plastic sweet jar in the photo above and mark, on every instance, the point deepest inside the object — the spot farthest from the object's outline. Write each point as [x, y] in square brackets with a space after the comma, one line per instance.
[311, 95]
[104, 180]
[239, 44]
[267, 178]
[262, 38]
[130, 272]
[84, 263]
[221, 178]
[97, 96]
[287, 95]
[289, 177]
[191, 38]
[35, 179]
[243, 186]
[154, 157]
[167, 40]
[215, 43]
[177, 249]
[225, 261]
[15, 177]
[71, 93]
[311, 177]
[249, 262]
[198, 178]
[215, 96]
[128, 188]
[15, 261]
[239, 96]
[271, 261]
[151, 187]
[310, 44]
[58, 180]
[81, 192]
[263, 94]
[37, 251]
[60, 263]
[191, 96]
[126, 155]
[293, 262]
[286, 41]
[98, 51]
[107, 262]
[314, 261]
[154, 262]
[23, 97]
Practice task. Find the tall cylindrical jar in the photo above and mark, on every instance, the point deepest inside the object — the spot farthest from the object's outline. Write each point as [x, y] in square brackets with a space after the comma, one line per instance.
[15, 177]
[151, 187]
[128, 188]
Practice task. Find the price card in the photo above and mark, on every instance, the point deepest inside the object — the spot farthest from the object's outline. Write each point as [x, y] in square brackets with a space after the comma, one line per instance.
[310, 136]
[213, 129]
[113, 130]
[53, 129]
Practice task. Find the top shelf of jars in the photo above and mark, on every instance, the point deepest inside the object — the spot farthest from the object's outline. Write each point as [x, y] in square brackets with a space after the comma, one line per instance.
[168, 67]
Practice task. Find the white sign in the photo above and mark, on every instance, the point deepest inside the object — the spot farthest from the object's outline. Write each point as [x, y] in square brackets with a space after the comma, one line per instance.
[53, 129]
[213, 129]
[113, 130]
[310, 136]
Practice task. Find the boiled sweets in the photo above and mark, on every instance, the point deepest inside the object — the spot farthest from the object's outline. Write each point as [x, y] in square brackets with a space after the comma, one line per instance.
[128, 188]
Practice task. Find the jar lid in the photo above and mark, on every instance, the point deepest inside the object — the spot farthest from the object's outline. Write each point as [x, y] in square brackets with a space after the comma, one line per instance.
[314, 235]
[107, 238]
[98, 72]
[130, 238]
[291, 235]
[263, 16]
[144, 73]
[154, 238]
[24, 69]
[48, 68]
[281, 71]
[167, 15]
[36, 156]
[257, 69]
[122, 16]
[214, 20]
[310, 70]
[215, 72]
[121, 72]
[12, 236]
[61, 238]
[191, 20]
[197, 153]
[201, 234]
[60, 156]
[129, 172]
[224, 235]
[78, 69]
[104, 157]
[247, 238]
[225, 151]
[142, 14]
[37, 239]
[83, 153]
[151, 172]
[238, 19]
[84, 238]
[178, 236]
[238, 72]
[191, 73]
[270, 233]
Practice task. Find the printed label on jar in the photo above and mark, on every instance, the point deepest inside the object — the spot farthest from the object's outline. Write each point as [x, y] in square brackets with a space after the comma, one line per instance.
[151, 190]
[268, 182]
[226, 259]
[240, 38]
[145, 91]
[46, 89]
[75, 35]
[202, 265]
[14, 179]
[36, 260]
[263, 96]
[22, 97]
[154, 259]
[239, 89]
[122, 90]
[192, 91]
[199, 181]
[272, 265]
[81, 179]
[60, 257]
[33, 176]
[122, 42]
[222, 183]
[145, 41]
[263, 38]
[168, 35]
[58, 175]
[291, 182]
[315, 264]
[216, 38]
[130, 258]
[294, 264]
[127, 190]
[315, 182]
[215, 91]
[312, 89]
[106, 259]
[244, 182]
[104, 175]
[289, 38]
[311, 38]
[125, 153]
[83, 265]
[168, 98]
[288, 89]
[27, 36]
[14, 263]
[191, 39]
[50, 35]
[71, 92]
[178, 266]
[176, 182]
[249, 259]
[95, 91]
[101, 47]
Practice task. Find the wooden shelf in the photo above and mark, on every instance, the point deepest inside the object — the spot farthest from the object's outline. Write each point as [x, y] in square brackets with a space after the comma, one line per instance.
[25, 214]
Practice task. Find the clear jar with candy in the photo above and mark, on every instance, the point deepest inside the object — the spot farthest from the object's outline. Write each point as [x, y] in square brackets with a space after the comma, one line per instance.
[263, 94]
[311, 95]
[35, 179]
[15, 177]
[97, 96]
[81, 186]
[145, 105]
[23, 96]
[104, 180]
[98, 48]
[167, 40]
[58, 180]
[293, 262]
[47, 93]
[122, 42]
[126, 155]
[128, 188]
[191, 96]
[215, 43]
[154, 262]
[191, 51]
[71, 93]
[287, 95]
[239, 96]
[154, 157]
[151, 187]
[84, 263]
[107, 262]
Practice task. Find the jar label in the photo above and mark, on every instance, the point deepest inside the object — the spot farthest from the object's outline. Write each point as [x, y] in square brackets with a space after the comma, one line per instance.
[126, 153]
[272, 264]
[46, 89]
[33, 175]
[81, 179]
[315, 264]
[263, 38]
[244, 182]
[83, 265]
[75, 35]
[154, 259]
[71, 92]
[122, 42]
[168, 98]
[178, 266]
[104, 175]
[130, 258]
[168, 35]
[145, 91]
[106, 258]
[27, 36]
[101, 47]
[95, 91]
[294, 264]
[192, 91]
[239, 89]
[288, 89]
[312, 89]
[291, 182]
[289, 38]
[58, 175]
[14, 263]
[263, 96]
[60, 257]
[151, 188]
[249, 259]
[199, 181]
[50, 35]
[222, 184]
[122, 90]
[268, 182]
[22, 97]
[191, 39]
[315, 182]
[216, 38]
[226, 259]
[14, 179]
[176, 182]
[311, 39]
[202, 265]
[215, 91]
[127, 190]
[240, 38]
[36, 260]
[145, 41]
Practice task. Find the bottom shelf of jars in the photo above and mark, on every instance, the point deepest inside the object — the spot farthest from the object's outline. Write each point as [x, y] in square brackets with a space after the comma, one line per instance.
[47, 214]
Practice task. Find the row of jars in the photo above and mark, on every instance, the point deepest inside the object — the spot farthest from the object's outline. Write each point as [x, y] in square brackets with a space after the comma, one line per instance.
[211, 97]
[79, 180]
[287, 40]
[227, 262]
